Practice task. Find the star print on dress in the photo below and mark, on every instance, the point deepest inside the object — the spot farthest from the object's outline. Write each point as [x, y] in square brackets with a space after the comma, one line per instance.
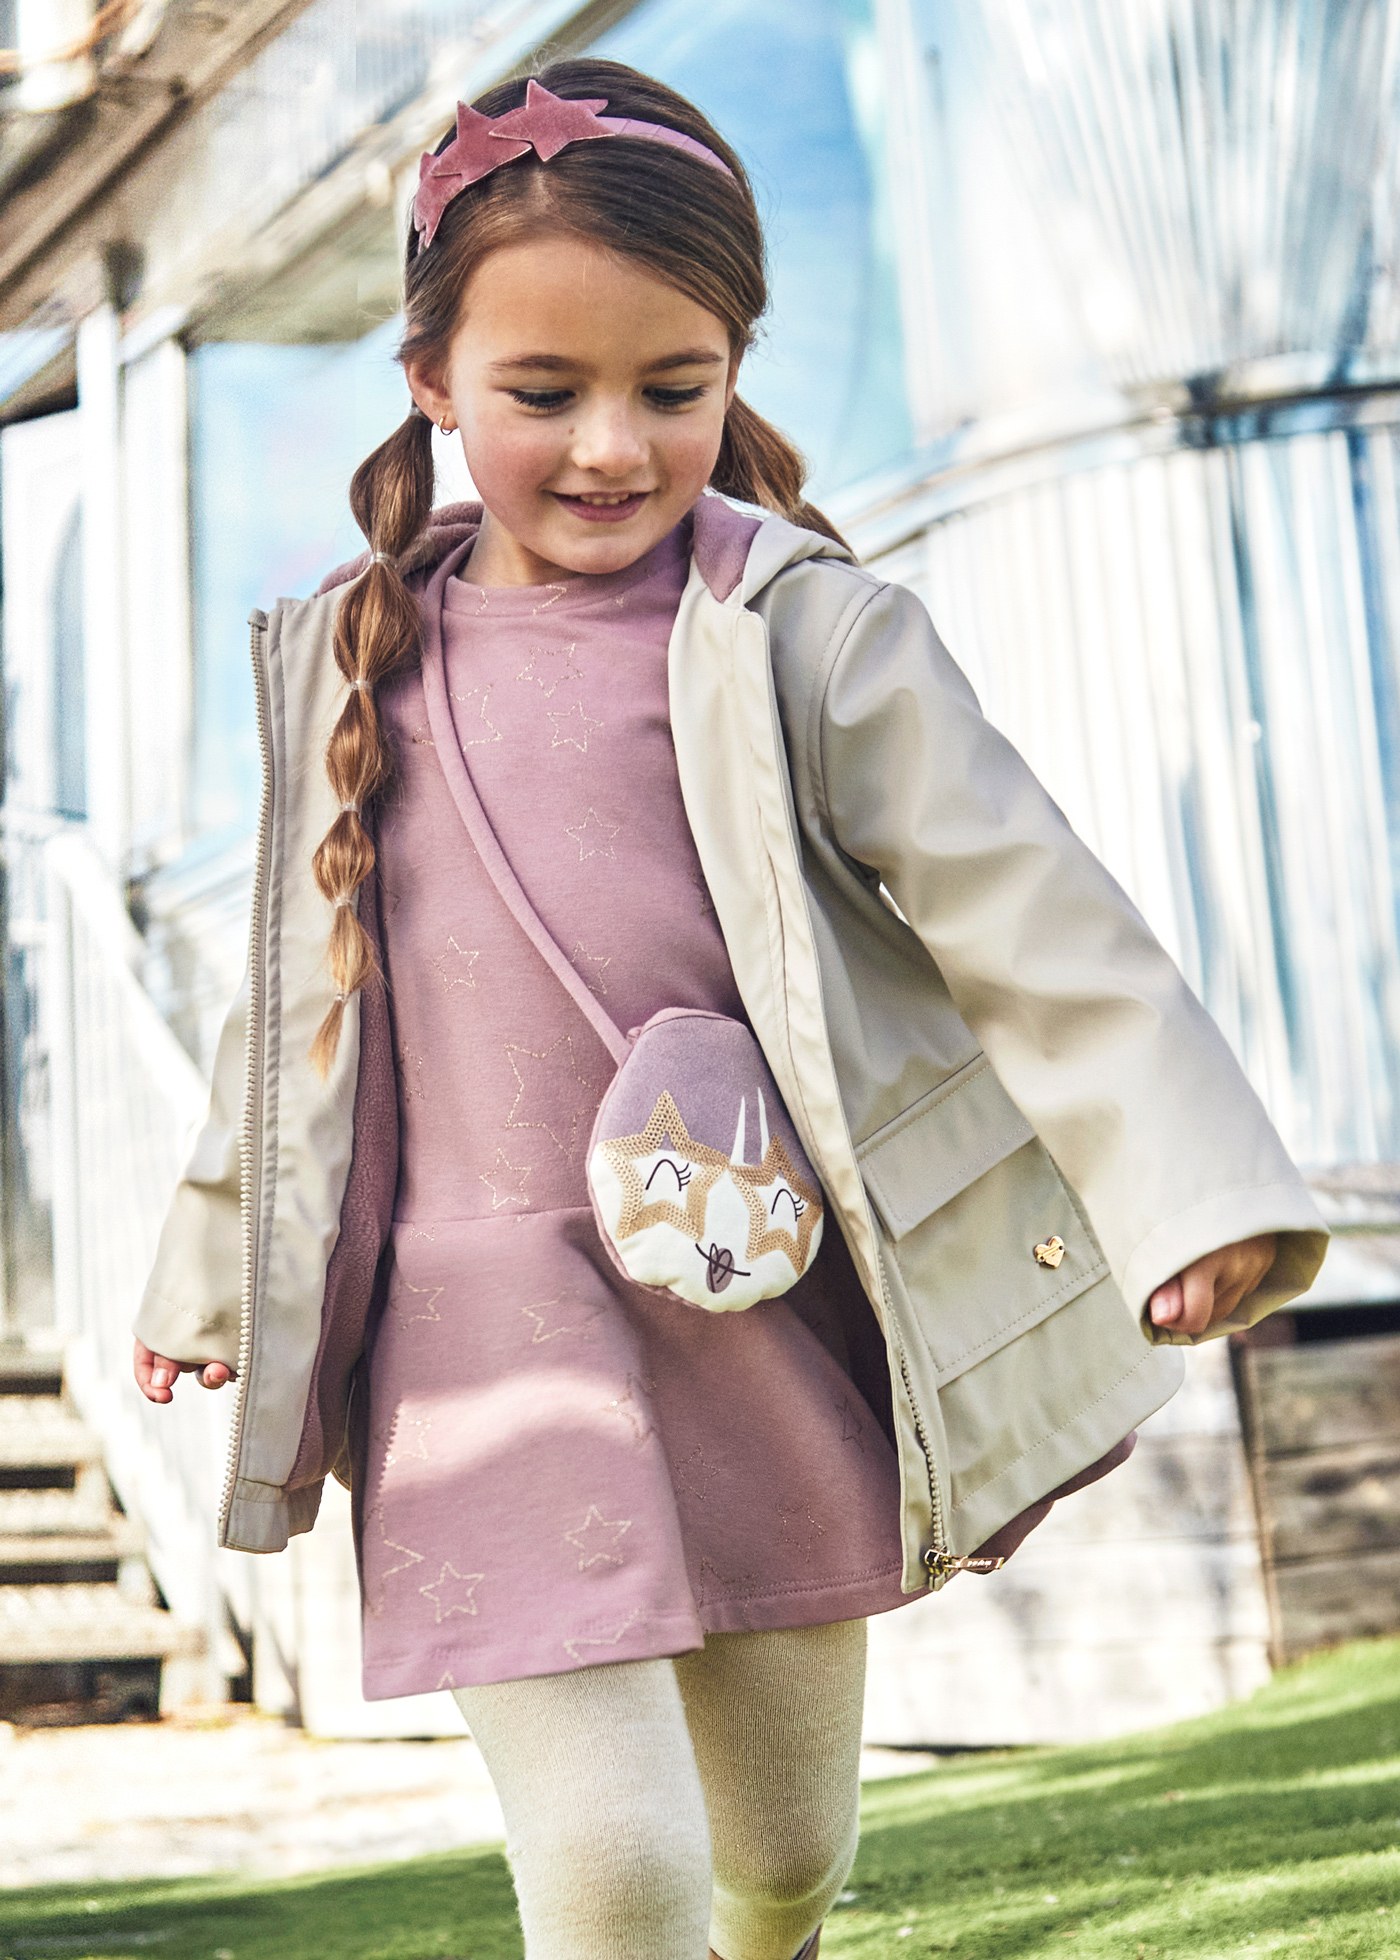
[596, 1539]
[550, 667]
[452, 1592]
[402, 1446]
[571, 1647]
[548, 1080]
[423, 1303]
[480, 721]
[502, 1176]
[852, 1428]
[593, 982]
[593, 836]
[556, 589]
[406, 1563]
[454, 964]
[629, 1408]
[553, 1318]
[696, 1474]
[798, 1528]
[571, 726]
[411, 1073]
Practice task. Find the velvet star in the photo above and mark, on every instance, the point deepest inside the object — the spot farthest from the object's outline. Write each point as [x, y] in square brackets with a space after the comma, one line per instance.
[474, 152]
[550, 121]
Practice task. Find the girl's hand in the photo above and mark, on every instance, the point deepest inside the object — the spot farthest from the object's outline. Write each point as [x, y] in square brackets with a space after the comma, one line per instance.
[155, 1373]
[1212, 1286]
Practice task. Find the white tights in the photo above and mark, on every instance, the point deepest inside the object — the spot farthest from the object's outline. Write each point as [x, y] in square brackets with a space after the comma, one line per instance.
[652, 1806]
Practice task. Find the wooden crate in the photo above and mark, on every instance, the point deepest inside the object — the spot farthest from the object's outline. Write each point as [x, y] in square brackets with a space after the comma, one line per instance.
[1322, 1431]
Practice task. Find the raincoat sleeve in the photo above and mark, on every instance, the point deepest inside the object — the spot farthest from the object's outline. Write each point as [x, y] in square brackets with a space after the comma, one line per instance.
[1084, 1015]
[190, 1310]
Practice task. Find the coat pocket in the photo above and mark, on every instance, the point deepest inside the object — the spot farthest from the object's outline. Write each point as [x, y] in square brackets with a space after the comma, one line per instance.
[987, 1235]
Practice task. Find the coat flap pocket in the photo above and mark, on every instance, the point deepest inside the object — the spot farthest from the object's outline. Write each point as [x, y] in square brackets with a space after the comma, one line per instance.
[932, 1150]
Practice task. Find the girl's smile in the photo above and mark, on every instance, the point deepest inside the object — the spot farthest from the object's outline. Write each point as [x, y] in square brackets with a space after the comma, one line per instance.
[590, 432]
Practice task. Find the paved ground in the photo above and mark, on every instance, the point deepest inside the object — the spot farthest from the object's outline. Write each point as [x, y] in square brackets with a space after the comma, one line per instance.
[233, 1790]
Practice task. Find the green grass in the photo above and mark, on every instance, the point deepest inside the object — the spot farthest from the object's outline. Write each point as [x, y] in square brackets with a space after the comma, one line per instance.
[1272, 1827]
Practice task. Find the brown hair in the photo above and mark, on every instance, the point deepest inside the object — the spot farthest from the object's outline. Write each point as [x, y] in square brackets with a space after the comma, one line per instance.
[673, 213]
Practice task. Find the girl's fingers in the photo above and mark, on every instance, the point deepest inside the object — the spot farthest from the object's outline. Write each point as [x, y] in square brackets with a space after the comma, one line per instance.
[1164, 1306]
[1198, 1296]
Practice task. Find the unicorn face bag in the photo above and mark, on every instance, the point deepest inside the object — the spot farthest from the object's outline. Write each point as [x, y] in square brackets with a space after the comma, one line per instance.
[699, 1185]
[680, 1208]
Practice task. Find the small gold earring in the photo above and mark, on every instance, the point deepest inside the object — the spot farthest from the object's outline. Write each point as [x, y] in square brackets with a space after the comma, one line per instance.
[442, 425]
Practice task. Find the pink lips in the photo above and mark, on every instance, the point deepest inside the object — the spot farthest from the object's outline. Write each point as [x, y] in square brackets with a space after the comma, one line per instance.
[603, 513]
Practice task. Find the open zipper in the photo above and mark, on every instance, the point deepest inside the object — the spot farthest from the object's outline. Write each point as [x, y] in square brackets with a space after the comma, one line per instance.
[250, 1135]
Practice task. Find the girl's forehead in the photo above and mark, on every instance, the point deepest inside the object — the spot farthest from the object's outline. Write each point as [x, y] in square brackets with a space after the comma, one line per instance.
[565, 296]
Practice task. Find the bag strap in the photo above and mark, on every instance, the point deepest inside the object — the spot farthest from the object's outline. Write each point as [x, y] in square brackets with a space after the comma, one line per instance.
[453, 762]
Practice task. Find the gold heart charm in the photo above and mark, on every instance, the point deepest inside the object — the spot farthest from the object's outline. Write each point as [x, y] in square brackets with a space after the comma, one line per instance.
[1050, 1251]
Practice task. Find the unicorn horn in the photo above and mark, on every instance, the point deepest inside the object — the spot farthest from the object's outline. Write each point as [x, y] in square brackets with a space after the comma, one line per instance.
[762, 1128]
[736, 1155]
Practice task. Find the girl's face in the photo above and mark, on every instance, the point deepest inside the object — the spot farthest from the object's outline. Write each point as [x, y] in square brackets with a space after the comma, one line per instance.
[590, 396]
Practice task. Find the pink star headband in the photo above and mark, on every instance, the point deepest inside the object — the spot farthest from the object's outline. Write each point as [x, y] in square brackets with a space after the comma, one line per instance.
[544, 123]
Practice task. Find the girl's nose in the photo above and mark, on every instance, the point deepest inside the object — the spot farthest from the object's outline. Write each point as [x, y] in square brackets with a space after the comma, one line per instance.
[608, 440]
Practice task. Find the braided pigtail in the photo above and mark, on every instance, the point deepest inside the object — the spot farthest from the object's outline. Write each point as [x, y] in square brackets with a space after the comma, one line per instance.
[758, 464]
[377, 632]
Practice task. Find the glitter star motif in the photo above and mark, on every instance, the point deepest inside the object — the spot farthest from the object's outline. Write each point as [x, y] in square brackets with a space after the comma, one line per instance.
[706, 1166]
[502, 1175]
[492, 734]
[696, 1474]
[556, 588]
[455, 964]
[427, 1295]
[420, 1232]
[852, 1428]
[547, 1313]
[596, 1539]
[406, 1563]
[411, 1073]
[421, 736]
[798, 1528]
[452, 1592]
[541, 669]
[631, 1411]
[548, 1080]
[581, 959]
[593, 836]
[571, 726]
[784, 1210]
[550, 121]
[401, 1446]
[447, 1679]
[571, 1647]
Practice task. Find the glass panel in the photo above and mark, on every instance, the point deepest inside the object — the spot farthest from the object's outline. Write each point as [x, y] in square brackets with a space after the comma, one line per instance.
[276, 433]
[830, 369]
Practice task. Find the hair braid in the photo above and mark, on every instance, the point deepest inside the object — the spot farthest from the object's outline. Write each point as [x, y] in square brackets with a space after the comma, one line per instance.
[377, 631]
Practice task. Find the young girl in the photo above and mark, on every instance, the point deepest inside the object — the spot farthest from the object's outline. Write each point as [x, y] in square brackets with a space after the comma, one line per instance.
[731, 771]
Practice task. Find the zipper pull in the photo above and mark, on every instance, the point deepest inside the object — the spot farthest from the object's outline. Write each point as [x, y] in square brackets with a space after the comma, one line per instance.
[943, 1564]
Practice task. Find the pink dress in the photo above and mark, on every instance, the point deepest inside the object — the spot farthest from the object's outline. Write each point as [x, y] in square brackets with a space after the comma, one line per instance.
[562, 1467]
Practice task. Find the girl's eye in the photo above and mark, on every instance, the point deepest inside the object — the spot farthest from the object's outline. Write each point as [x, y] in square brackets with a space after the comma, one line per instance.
[681, 1173]
[546, 399]
[676, 397]
[799, 1205]
[543, 398]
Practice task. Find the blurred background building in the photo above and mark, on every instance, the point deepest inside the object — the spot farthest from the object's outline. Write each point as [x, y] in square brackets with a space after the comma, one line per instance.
[1087, 317]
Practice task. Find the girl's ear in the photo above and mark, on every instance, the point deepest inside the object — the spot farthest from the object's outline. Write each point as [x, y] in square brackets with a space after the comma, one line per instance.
[427, 390]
